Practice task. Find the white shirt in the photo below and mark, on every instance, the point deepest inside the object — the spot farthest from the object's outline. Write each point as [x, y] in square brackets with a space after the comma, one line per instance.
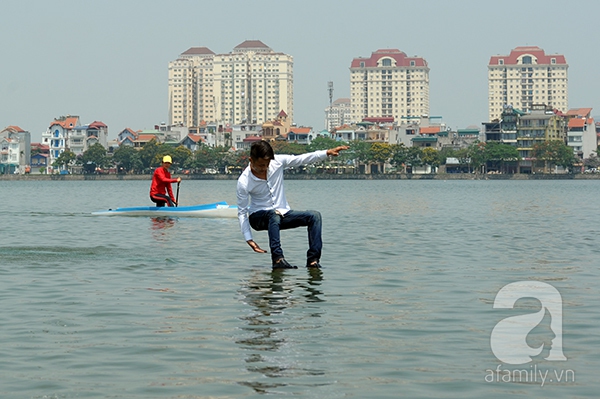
[255, 194]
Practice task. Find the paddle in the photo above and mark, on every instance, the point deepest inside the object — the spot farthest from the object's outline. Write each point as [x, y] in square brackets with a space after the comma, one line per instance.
[177, 195]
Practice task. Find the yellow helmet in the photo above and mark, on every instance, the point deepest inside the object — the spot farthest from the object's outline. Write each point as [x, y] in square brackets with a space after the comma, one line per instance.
[167, 158]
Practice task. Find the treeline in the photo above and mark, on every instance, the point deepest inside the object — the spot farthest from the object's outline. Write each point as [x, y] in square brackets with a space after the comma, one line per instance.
[397, 156]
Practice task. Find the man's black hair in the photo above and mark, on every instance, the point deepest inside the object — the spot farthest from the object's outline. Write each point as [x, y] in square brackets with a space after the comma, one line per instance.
[261, 149]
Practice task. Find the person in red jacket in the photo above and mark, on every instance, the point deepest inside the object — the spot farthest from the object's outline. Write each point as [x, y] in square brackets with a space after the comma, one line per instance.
[161, 184]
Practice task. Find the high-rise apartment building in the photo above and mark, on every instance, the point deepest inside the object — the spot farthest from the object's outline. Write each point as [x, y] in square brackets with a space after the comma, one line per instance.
[389, 84]
[252, 84]
[191, 87]
[526, 77]
[338, 114]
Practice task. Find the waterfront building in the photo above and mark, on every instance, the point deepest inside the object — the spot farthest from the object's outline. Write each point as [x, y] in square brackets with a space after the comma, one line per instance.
[278, 127]
[126, 137]
[57, 136]
[525, 77]
[192, 142]
[81, 138]
[413, 126]
[15, 150]
[237, 133]
[300, 135]
[581, 132]
[338, 113]
[389, 84]
[67, 133]
[251, 84]
[504, 129]
[540, 124]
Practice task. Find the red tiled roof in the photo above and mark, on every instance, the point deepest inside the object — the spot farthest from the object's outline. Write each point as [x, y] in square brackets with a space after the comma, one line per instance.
[577, 122]
[69, 122]
[40, 146]
[195, 137]
[381, 119]
[97, 125]
[300, 130]
[198, 51]
[582, 112]
[145, 137]
[282, 114]
[252, 44]
[534, 51]
[252, 139]
[401, 59]
[15, 129]
[429, 130]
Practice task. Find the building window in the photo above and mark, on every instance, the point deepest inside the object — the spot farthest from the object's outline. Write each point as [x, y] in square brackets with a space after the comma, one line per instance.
[526, 59]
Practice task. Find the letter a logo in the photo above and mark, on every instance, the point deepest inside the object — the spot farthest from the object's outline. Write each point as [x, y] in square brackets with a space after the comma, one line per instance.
[509, 336]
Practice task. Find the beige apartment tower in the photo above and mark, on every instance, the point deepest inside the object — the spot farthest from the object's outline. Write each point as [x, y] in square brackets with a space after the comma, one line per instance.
[389, 84]
[252, 84]
[527, 77]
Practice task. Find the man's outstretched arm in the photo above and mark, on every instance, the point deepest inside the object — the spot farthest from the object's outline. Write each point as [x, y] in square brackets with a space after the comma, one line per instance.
[334, 152]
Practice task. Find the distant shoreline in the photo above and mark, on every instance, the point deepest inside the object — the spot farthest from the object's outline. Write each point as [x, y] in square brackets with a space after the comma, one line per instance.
[318, 176]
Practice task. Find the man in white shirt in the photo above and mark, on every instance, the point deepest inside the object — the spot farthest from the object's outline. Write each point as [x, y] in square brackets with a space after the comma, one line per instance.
[262, 204]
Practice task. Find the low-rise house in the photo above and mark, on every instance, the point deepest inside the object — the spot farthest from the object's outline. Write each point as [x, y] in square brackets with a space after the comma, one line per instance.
[57, 135]
[300, 135]
[248, 141]
[276, 128]
[126, 137]
[192, 142]
[39, 163]
[15, 150]
[145, 136]
[581, 132]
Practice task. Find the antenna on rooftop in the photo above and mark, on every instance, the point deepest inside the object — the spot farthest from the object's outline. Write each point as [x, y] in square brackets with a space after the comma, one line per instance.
[330, 90]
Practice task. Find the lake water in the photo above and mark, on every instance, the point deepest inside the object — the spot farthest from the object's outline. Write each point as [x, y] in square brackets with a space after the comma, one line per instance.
[101, 307]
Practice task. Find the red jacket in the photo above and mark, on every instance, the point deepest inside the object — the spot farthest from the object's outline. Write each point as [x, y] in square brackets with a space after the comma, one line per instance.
[161, 182]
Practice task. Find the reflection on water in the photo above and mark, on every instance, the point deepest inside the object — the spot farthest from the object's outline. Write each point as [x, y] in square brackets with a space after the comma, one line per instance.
[279, 304]
[160, 225]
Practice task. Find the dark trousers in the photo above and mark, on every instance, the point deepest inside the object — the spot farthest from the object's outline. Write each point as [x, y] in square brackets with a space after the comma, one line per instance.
[161, 199]
[273, 222]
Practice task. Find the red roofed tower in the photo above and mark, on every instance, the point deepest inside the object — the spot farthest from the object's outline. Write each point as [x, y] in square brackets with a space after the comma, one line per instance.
[527, 77]
[389, 84]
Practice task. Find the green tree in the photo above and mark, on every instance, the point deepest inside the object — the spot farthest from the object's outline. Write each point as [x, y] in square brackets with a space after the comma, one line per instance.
[361, 151]
[399, 156]
[206, 157]
[381, 152]
[94, 157]
[476, 155]
[148, 153]
[285, 147]
[127, 159]
[180, 155]
[65, 159]
[322, 143]
[592, 162]
[431, 157]
[497, 154]
[553, 152]
[414, 156]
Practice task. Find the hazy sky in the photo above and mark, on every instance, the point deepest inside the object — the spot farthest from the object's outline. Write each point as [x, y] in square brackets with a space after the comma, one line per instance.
[108, 60]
